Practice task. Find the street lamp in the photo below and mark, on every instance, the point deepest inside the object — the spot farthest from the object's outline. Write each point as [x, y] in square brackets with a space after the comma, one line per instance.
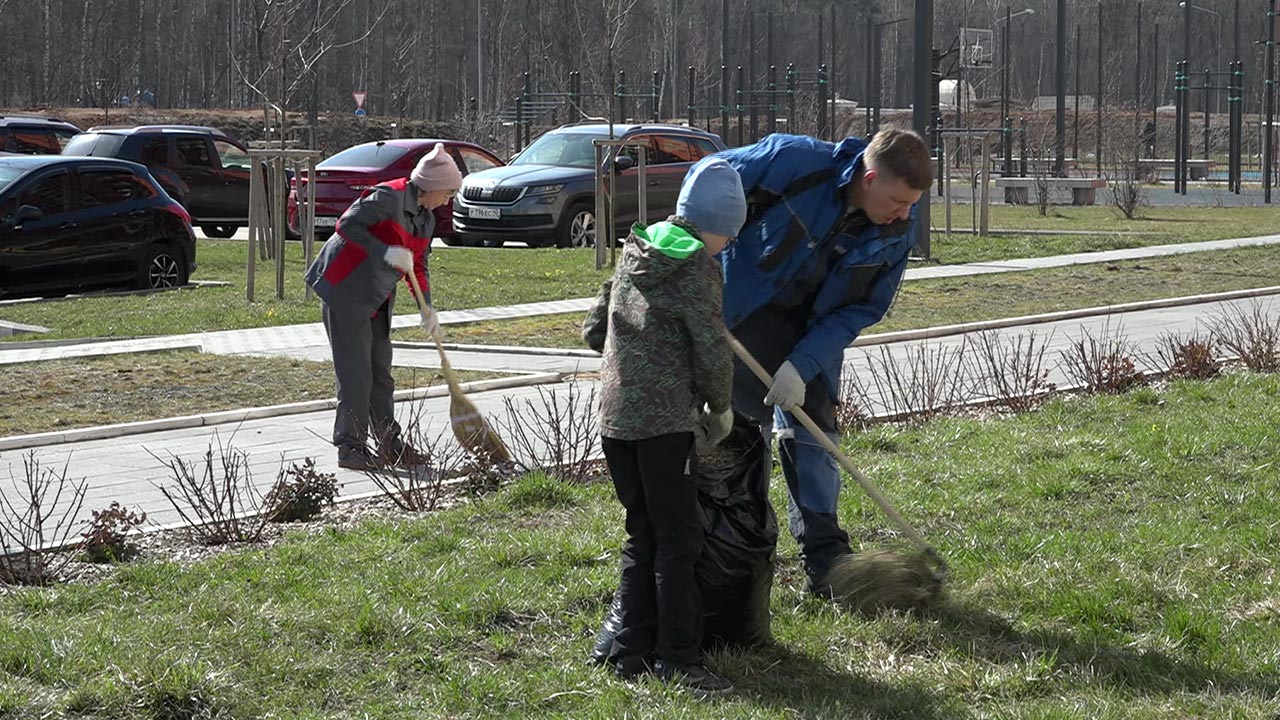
[1007, 135]
[876, 36]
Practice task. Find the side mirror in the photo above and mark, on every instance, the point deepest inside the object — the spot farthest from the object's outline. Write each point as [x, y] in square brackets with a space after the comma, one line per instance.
[26, 214]
[623, 163]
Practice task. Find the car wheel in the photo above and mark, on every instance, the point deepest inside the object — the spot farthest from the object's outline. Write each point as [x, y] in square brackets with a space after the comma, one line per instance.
[162, 267]
[493, 242]
[577, 227]
[219, 231]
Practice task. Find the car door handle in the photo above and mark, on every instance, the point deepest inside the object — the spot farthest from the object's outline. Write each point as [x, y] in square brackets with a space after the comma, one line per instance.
[653, 183]
[69, 226]
[139, 212]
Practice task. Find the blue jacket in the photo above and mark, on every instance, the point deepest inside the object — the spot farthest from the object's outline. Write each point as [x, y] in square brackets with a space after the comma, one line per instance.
[774, 246]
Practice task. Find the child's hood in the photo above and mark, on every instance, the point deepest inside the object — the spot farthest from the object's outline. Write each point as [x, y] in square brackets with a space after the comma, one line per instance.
[657, 251]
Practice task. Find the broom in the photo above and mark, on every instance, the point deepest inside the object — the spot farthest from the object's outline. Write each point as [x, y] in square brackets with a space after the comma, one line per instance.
[469, 426]
[875, 579]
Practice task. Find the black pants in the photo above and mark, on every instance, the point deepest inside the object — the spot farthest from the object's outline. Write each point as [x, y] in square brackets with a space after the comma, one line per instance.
[661, 608]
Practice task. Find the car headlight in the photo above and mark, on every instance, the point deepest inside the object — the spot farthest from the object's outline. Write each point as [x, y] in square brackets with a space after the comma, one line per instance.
[545, 189]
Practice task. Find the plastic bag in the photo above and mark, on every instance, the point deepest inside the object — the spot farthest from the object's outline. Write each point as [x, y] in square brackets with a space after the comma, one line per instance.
[735, 570]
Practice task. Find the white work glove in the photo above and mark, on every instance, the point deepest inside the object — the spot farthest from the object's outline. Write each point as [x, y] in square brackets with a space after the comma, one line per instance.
[787, 390]
[400, 258]
[432, 322]
[712, 428]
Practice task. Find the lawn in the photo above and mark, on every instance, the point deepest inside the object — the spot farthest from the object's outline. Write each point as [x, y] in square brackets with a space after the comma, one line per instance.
[468, 278]
[65, 394]
[1112, 557]
[929, 303]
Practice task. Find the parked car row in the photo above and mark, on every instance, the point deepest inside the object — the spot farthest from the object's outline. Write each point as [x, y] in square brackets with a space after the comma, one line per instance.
[116, 205]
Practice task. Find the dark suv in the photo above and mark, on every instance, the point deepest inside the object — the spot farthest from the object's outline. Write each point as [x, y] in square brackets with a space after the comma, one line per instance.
[34, 135]
[76, 223]
[203, 168]
[547, 194]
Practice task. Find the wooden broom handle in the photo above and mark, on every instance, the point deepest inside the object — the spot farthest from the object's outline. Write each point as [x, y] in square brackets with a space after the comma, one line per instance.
[830, 446]
[435, 335]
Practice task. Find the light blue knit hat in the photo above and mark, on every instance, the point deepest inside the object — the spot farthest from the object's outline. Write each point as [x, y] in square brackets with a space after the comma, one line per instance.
[712, 198]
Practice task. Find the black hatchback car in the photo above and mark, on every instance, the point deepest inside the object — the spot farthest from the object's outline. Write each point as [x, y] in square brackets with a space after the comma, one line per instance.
[201, 167]
[70, 224]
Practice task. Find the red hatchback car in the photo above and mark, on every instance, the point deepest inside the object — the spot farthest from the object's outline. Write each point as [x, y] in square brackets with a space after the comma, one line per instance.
[340, 179]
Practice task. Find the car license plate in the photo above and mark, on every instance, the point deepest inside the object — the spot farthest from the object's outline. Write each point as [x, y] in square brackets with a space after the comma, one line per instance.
[326, 221]
[485, 213]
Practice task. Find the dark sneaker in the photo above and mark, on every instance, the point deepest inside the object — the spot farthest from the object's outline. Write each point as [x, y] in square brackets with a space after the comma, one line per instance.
[697, 678]
[630, 668]
[397, 453]
[355, 459]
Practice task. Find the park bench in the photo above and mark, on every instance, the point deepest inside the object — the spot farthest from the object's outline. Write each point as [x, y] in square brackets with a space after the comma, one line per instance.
[1017, 190]
[1196, 169]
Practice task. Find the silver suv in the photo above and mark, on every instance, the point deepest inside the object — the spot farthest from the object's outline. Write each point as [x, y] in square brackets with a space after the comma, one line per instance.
[546, 195]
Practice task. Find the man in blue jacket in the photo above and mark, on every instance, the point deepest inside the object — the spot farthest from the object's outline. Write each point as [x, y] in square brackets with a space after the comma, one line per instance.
[819, 260]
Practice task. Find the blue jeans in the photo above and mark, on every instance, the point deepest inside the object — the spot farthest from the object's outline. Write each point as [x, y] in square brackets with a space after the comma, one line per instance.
[812, 474]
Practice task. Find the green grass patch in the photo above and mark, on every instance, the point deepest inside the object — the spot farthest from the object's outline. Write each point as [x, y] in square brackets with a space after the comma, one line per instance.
[1109, 558]
[83, 392]
[467, 278]
[929, 303]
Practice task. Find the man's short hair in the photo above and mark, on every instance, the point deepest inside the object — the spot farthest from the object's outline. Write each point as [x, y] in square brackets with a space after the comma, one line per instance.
[902, 154]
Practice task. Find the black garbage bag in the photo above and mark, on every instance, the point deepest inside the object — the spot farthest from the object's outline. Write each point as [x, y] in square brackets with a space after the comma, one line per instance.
[735, 571]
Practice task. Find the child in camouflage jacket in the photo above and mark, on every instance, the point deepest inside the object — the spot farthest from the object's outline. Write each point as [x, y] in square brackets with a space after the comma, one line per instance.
[660, 326]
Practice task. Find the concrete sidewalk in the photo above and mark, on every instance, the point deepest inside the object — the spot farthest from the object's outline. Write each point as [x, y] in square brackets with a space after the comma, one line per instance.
[309, 340]
[129, 470]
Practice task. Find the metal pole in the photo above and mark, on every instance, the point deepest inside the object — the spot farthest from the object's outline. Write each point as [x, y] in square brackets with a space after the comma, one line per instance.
[479, 60]
[1075, 132]
[1208, 83]
[1097, 152]
[922, 108]
[877, 70]
[985, 216]
[309, 228]
[1155, 88]
[831, 74]
[1006, 139]
[1060, 126]
[1137, 96]
[791, 99]
[773, 99]
[692, 110]
[642, 193]
[600, 203]
[724, 70]
[868, 95]
[724, 103]
[751, 73]
[739, 108]
[1270, 100]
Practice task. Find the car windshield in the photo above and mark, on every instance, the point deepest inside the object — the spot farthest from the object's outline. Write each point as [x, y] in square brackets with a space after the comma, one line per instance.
[571, 149]
[373, 155]
[8, 175]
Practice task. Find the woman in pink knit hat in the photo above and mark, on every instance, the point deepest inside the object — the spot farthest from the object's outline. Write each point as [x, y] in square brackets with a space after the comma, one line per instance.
[385, 234]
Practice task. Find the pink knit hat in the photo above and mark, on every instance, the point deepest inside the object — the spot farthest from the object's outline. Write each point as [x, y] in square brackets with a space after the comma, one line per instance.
[436, 171]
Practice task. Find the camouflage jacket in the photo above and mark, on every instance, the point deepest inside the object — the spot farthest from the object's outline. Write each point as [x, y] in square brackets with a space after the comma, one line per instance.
[660, 326]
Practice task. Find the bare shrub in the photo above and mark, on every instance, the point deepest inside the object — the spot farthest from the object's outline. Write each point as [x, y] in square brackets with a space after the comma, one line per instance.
[1104, 363]
[1192, 356]
[1012, 371]
[300, 493]
[852, 408]
[36, 523]
[1124, 178]
[215, 496]
[414, 476]
[109, 537]
[1252, 334]
[929, 381]
[557, 433]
